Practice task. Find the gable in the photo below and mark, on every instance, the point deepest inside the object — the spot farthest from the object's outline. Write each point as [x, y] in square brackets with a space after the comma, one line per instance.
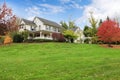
[22, 22]
[37, 21]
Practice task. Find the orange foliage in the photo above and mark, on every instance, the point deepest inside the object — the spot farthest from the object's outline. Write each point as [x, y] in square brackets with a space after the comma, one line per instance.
[8, 40]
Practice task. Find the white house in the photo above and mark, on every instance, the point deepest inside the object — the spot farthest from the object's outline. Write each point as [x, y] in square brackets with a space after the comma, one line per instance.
[79, 33]
[42, 28]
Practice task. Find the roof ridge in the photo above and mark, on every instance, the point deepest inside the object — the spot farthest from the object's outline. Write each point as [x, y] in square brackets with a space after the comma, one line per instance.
[47, 19]
[49, 22]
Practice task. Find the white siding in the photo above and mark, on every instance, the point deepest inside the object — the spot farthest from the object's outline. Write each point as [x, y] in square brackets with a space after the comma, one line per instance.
[44, 27]
[39, 24]
[28, 27]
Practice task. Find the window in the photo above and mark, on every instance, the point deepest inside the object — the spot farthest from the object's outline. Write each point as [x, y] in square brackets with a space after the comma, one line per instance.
[55, 29]
[39, 27]
[47, 27]
[21, 27]
[58, 30]
[51, 28]
[25, 27]
[32, 28]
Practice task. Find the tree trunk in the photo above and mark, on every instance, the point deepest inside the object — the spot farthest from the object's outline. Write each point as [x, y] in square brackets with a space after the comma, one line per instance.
[109, 44]
[72, 40]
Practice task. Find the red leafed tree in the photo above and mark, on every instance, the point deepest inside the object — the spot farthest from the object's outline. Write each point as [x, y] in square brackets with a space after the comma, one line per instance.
[7, 20]
[109, 31]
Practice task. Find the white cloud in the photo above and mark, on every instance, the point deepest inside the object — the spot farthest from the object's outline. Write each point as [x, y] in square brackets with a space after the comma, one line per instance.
[52, 8]
[101, 9]
[42, 9]
[76, 5]
[31, 12]
[71, 4]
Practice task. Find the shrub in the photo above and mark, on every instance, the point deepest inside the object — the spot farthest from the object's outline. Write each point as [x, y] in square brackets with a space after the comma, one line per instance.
[41, 40]
[25, 35]
[58, 37]
[8, 39]
[87, 40]
[18, 38]
[94, 40]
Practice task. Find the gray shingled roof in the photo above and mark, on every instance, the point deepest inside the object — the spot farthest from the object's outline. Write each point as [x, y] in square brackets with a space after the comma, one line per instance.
[48, 22]
[28, 22]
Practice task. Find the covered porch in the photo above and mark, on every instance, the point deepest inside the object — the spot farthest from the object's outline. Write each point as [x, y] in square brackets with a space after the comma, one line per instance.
[42, 35]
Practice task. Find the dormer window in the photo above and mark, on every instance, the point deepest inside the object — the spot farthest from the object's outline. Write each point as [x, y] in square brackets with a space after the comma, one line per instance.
[47, 27]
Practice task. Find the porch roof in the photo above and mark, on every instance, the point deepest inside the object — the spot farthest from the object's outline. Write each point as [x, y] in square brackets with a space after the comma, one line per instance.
[28, 22]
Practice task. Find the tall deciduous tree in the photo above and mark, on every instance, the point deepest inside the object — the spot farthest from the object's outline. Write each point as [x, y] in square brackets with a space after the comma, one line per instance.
[7, 20]
[69, 25]
[109, 31]
[64, 25]
[93, 23]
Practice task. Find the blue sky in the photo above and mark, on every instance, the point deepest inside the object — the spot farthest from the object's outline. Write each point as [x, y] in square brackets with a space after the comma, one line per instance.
[64, 10]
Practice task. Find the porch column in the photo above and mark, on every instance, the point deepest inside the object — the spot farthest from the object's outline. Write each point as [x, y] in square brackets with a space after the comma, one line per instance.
[51, 35]
[40, 34]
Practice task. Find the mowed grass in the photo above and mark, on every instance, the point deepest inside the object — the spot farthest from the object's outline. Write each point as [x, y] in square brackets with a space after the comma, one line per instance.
[59, 61]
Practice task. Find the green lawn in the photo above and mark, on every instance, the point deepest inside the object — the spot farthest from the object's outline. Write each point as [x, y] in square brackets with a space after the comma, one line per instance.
[59, 61]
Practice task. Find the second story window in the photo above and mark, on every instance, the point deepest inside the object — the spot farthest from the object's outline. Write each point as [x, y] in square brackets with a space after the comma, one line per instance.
[55, 29]
[47, 27]
[39, 27]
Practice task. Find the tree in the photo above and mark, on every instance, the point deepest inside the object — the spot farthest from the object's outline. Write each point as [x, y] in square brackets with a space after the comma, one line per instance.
[64, 24]
[69, 25]
[100, 22]
[69, 35]
[7, 20]
[109, 31]
[93, 23]
[87, 31]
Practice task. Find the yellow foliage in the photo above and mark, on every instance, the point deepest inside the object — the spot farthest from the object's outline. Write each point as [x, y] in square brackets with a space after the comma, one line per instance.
[7, 39]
